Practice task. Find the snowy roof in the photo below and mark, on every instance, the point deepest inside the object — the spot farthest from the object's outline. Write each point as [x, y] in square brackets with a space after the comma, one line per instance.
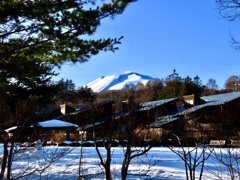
[221, 98]
[11, 129]
[54, 123]
[212, 100]
[152, 104]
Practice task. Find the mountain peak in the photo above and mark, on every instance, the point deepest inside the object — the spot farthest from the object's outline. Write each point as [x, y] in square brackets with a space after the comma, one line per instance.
[118, 81]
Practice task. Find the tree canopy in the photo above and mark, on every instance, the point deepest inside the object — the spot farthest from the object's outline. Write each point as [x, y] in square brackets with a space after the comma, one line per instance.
[37, 35]
[182, 86]
[232, 83]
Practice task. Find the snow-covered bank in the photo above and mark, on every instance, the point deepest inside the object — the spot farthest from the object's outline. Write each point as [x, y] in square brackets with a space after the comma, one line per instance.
[167, 164]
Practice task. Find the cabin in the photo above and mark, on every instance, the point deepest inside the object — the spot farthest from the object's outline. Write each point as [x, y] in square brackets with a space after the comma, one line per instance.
[202, 119]
[86, 116]
[90, 117]
[135, 119]
[154, 109]
[115, 124]
[50, 130]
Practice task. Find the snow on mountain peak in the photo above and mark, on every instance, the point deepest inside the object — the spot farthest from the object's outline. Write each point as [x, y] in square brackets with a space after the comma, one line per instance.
[118, 82]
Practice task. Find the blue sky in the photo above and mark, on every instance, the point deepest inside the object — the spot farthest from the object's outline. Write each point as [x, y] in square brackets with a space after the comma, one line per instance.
[161, 35]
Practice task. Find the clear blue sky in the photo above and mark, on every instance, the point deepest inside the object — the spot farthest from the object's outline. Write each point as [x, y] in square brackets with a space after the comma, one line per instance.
[161, 35]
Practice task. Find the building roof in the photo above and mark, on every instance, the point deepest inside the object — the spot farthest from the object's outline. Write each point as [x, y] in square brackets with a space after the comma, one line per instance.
[83, 108]
[49, 124]
[54, 123]
[221, 98]
[153, 104]
[165, 120]
[212, 100]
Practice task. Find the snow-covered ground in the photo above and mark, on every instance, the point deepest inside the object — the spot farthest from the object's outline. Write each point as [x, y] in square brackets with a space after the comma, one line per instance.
[167, 165]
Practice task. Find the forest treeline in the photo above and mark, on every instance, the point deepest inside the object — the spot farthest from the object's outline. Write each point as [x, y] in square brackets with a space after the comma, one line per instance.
[170, 87]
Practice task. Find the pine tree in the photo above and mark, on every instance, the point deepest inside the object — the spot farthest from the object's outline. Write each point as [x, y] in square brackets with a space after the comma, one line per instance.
[35, 37]
[43, 34]
[39, 35]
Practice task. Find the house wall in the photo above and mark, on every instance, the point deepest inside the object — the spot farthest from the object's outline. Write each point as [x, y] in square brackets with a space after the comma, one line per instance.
[145, 117]
[213, 122]
[91, 113]
[105, 109]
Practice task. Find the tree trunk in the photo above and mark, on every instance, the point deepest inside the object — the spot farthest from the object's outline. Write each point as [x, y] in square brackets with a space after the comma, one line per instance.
[124, 171]
[108, 164]
[10, 158]
[126, 162]
[4, 160]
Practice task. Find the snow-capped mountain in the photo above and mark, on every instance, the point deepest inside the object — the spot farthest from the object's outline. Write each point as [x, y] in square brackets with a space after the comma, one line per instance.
[118, 82]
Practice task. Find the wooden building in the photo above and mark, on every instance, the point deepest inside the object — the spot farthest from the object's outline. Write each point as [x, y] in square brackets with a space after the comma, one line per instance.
[213, 117]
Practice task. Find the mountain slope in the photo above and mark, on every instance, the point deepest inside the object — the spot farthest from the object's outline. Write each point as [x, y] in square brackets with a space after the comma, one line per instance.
[118, 82]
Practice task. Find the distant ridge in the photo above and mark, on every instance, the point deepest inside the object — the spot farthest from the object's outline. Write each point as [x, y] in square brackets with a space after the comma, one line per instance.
[118, 82]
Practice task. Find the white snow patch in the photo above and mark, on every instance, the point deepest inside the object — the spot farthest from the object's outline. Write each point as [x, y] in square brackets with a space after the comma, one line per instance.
[55, 123]
[169, 166]
[118, 82]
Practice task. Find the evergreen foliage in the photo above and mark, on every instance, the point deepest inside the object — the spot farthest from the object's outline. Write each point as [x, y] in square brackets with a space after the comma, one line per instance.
[66, 85]
[67, 94]
[86, 95]
[182, 87]
[40, 35]
[171, 90]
